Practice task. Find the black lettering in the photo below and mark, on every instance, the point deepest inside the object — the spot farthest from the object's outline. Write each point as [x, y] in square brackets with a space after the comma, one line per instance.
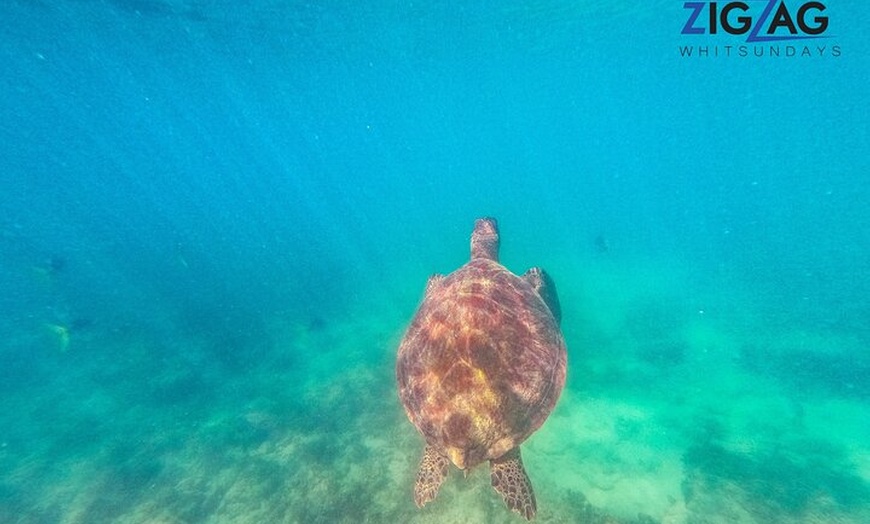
[744, 21]
[821, 22]
[782, 18]
[835, 50]
[712, 14]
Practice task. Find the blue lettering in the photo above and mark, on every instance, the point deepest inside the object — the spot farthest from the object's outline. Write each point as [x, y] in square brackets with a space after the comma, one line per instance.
[753, 36]
[689, 28]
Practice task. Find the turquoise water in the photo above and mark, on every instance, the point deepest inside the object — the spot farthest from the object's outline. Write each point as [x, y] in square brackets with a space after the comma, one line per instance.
[217, 218]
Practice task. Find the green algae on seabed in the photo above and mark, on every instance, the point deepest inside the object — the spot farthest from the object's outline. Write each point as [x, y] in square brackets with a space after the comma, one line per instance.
[144, 429]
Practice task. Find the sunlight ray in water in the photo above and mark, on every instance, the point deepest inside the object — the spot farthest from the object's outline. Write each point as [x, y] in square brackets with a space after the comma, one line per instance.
[218, 218]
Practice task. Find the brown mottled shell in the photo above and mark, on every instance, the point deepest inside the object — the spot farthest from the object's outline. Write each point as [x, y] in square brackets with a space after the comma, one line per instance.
[482, 363]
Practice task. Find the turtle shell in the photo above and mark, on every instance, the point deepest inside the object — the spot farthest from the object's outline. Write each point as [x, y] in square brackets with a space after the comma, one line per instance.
[483, 361]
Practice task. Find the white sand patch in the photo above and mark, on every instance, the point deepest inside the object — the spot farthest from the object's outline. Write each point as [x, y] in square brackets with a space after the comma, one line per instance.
[613, 452]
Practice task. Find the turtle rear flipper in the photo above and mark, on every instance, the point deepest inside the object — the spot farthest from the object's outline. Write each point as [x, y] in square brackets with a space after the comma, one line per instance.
[510, 480]
[433, 471]
[546, 289]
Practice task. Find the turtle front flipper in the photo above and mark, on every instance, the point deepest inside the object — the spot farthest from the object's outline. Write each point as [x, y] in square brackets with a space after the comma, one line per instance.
[433, 282]
[433, 471]
[546, 289]
[510, 480]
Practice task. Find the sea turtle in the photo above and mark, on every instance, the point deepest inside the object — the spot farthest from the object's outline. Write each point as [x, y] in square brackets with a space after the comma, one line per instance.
[480, 368]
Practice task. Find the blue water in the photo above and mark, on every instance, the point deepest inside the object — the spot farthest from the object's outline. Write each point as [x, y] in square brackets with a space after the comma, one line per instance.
[217, 218]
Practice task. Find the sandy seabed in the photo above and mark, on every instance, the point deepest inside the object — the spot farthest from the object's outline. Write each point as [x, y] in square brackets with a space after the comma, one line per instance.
[670, 415]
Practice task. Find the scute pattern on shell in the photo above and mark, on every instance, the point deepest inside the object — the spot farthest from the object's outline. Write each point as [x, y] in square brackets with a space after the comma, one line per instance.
[482, 363]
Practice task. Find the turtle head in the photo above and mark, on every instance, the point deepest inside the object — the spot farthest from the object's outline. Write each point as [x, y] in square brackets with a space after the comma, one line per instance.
[484, 239]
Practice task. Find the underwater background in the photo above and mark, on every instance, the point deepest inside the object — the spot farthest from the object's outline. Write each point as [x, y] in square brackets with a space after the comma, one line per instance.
[217, 219]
